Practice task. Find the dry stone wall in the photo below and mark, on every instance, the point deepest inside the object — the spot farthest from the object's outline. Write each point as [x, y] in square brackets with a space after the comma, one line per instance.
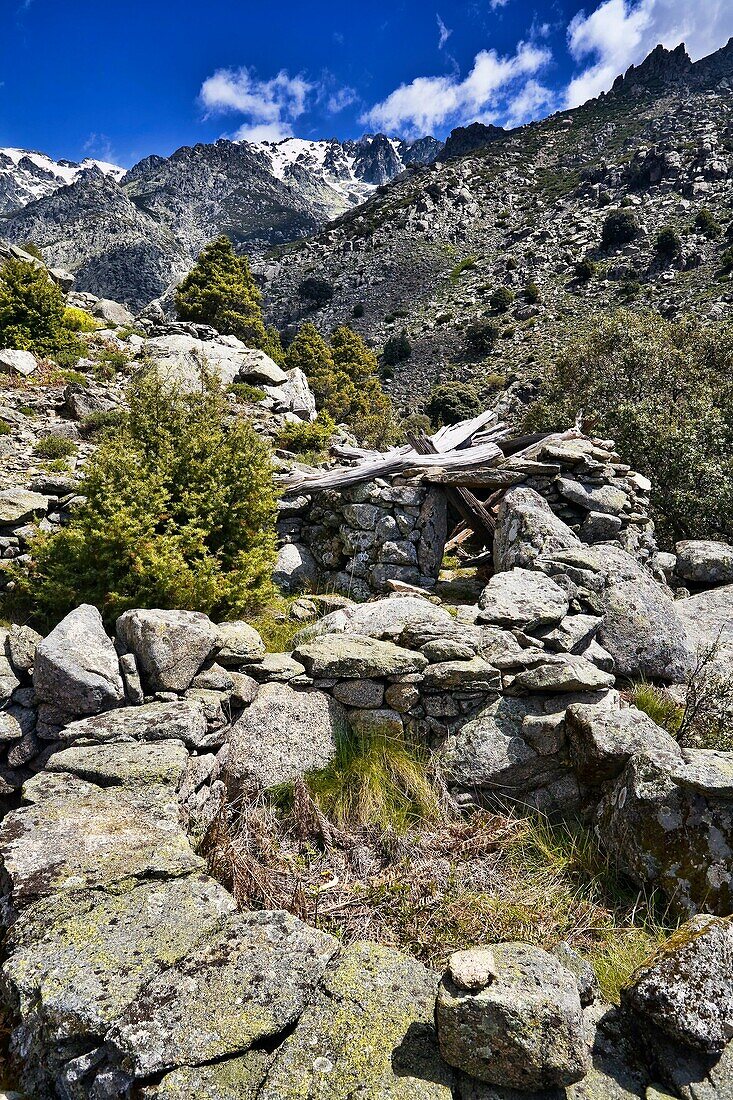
[356, 540]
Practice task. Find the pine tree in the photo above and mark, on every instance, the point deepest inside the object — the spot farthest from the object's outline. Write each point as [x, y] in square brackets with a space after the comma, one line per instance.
[344, 381]
[220, 291]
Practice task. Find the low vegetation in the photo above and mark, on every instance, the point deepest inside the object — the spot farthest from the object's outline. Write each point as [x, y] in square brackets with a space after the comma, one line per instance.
[179, 513]
[664, 392]
[33, 314]
[370, 849]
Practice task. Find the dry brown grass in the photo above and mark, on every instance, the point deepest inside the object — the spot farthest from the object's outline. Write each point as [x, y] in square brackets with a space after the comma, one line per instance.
[441, 886]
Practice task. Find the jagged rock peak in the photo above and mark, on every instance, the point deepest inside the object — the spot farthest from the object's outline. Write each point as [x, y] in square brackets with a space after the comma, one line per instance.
[464, 139]
[661, 66]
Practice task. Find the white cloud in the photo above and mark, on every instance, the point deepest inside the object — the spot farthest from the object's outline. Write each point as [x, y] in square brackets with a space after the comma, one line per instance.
[496, 4]
[443, 32]
[619, 33]
[341, 99]
[270, 107]
[433, 102]
[99, 146]
[533, 100]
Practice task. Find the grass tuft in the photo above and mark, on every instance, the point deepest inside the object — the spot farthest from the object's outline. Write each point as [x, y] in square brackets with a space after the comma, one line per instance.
[375, 779]
[658, 704]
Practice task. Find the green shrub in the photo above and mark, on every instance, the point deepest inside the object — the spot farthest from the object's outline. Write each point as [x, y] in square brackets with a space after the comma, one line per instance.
[629, 289]
[397, 349]
[307, 438]
[481, 336]
[452, 402]
[5, 428]
[220, 291]
[502, 298]
[585, 269]
[54, 446]
[416, 424]
[317, 292]
[668, 243]
[32, 310]
[532, 293]
[358, 310]
[726, 260]
[78, 320]
[179, 512]
[664, 392]
[101, 421]
[245, 392]
[345, 382]
[707, 224]
[619, 228]
[464, 265]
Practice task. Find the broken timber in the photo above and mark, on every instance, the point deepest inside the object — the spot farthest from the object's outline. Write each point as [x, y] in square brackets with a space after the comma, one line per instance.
[474, 454]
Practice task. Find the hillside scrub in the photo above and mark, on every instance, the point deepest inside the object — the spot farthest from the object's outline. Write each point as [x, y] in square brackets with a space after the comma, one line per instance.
[664, 392]
[344, 381]
[179, 513]
[220, 291]
[33, 315]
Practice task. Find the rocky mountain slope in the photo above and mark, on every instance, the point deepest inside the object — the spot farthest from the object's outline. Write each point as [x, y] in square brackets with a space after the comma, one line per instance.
[128, 238]
[427, 253]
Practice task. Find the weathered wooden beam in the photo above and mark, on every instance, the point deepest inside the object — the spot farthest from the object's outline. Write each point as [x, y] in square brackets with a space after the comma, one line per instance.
[468, 506]
[410, 463]
[490, 476]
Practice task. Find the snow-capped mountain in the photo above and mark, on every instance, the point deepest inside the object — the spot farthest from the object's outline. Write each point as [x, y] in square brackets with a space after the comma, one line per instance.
[26, 176]
[127, 235]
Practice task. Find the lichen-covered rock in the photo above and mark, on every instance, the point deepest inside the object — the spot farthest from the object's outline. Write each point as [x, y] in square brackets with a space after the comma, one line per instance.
[282, 735]
[705, 563]
[522, 598]
[183, 720]
[231, 1079]
[523, 1029]
[708, 620]
[20, 506]
[296, 570]
[132, 764]
[563, 672]
[239, 644]
[686, 987]
[671, 826]
[78, 966]
[493, 753]
[170, 646]
[387, 619]
[245, 985]
[77, 670]
[475, 674]
[526, 529]
[354, 656]
[21, 646]
[367, 1032]
[602, 740]
[76, 836]
[641, 628]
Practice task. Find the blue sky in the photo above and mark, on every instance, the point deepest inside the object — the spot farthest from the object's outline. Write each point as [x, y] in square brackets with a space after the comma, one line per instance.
[120, 80]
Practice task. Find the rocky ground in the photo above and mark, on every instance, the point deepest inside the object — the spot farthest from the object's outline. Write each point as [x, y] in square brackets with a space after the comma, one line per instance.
[128, 968]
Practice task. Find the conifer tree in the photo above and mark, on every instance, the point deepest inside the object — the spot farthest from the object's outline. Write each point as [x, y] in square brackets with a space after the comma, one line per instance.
[344, 381]
[220, 291]
[32, 311]
[179, 512]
